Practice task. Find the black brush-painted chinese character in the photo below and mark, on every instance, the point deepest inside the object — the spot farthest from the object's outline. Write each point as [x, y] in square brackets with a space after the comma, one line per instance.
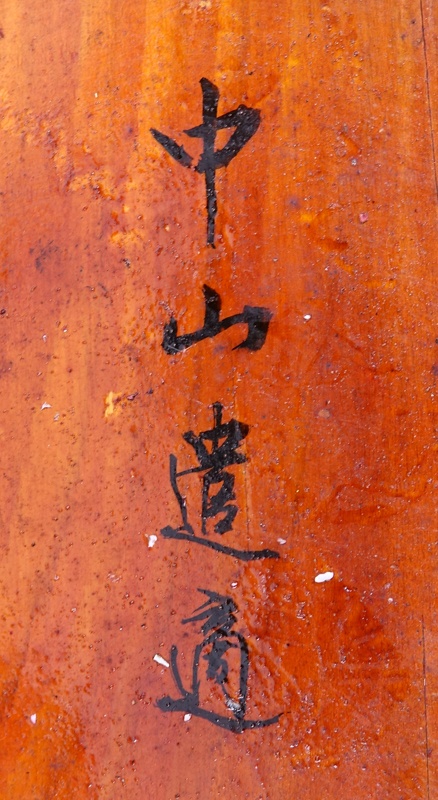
[244, 120]
[256, 317]
[217, 648]
[223, 441]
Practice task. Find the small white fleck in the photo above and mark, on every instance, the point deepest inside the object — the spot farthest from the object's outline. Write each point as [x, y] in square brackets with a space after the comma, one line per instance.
[56, 417]
[44, 337]
[132, 702]
[281, 541]
[74, 610]
[64, 330]
[120, 629]
[307, 316]
[95, 94]
[45, 405]
[233, 705]
[56, 578]
[151, 540]
[324, 576]
[234, 584]
[161, 660]
[187, 717]
[33, 719]
[353, 162]
[390, 599]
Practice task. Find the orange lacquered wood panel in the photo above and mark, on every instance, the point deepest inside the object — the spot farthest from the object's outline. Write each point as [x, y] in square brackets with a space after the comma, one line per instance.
[114, 483]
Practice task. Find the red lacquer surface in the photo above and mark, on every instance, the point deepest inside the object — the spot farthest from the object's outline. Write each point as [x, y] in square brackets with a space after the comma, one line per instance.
[328, 218]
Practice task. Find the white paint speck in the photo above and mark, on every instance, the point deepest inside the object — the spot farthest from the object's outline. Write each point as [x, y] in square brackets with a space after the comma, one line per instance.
[187, 717]
[45, 405]
[324, 576]
[33, 719]
[281, 541]
[56, 578]
[234, 584]
[390, 599]
[56, 417]
[74, 610]
[44, 337]
[96, 94]
[307, 316]
[161, 660]
[151, 540]
[233, 705]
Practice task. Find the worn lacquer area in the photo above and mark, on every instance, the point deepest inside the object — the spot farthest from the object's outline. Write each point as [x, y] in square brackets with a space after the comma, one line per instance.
[310, 328]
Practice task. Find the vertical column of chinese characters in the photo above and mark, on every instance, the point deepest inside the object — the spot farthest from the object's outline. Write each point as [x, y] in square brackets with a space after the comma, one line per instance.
[216, 449]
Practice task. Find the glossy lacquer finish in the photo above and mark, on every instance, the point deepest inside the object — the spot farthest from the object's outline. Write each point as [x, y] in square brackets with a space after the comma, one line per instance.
[218, 464]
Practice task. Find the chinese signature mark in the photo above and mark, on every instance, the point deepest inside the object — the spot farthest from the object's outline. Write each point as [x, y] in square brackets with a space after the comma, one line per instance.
[218, 619]
[256, 317]
[246, 122]
[224, 441]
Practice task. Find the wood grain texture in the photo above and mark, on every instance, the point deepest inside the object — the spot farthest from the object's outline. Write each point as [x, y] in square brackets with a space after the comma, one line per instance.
[328, 217]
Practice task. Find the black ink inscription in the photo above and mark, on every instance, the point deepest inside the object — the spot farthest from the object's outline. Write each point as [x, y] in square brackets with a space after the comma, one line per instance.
[218, 619]
[242, 555]
[224, 440]
[212, 462]
[256, 317]
[244, 120]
